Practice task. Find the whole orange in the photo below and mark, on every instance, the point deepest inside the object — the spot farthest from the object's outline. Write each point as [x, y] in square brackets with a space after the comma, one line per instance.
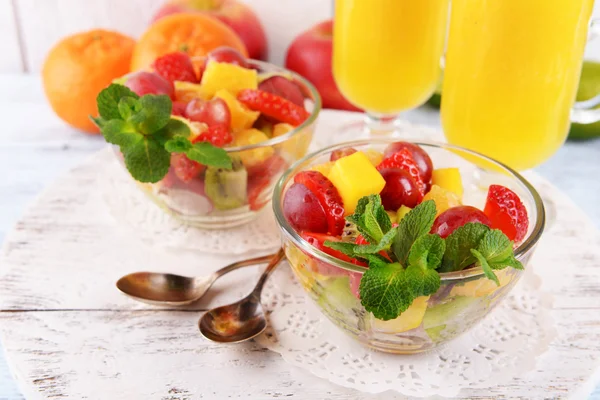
[78, 68]
[193, 33]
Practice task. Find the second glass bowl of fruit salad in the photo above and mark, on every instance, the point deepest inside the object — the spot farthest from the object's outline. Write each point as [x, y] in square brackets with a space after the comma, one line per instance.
[262, 115]
[468, 190]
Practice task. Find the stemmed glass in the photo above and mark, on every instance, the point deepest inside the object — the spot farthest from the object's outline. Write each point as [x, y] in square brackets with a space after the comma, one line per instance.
[386, 59]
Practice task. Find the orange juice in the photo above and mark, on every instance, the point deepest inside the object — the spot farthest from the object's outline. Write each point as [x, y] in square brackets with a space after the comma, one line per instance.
[386, 53]
[512, 70]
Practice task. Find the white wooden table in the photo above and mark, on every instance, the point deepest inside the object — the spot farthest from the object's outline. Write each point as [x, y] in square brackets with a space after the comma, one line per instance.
[35, 147]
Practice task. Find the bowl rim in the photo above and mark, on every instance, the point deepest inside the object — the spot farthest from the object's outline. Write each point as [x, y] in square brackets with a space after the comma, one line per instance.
[314, 93]
[522, 250]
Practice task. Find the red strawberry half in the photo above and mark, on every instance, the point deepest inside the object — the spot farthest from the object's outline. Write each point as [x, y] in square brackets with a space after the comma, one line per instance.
[175, 67]
[328, 196]
[506, 212]
[273, 106]
[217, 135]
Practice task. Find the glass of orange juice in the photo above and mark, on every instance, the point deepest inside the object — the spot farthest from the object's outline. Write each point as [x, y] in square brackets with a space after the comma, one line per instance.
[386, 58]
[512, 69]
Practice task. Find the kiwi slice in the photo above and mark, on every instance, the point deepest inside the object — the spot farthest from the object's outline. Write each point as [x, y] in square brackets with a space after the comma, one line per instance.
[350, 232]
[227, 189]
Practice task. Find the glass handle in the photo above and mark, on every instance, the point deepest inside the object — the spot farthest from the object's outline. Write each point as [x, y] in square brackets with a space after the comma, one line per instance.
[584, 112]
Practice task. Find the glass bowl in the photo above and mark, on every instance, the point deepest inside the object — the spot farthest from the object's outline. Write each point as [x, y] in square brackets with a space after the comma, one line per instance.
[464, 298]
[264, 163]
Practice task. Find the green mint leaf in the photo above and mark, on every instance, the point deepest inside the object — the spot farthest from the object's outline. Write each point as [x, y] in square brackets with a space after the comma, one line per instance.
[427, 252]
[422, 282]
[384, 244]
[178, 144]
[487, 269]
[459, 243]
[146, 160]
[207, 154]
[375, 260]
[120, 133]
[108, 100]
[370, 218]
[98, 121]
[495, 246]
[128, 106]
[154, 113]
[509, 262]
[174, 128]
[415, 224]
[343, 247]
[383, 219]
[384, 292]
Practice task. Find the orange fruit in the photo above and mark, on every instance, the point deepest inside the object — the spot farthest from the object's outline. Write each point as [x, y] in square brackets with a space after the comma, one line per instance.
[78, 67]
[193, 33]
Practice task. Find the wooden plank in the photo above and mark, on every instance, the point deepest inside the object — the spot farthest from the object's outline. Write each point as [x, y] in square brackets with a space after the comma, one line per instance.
[10, 61]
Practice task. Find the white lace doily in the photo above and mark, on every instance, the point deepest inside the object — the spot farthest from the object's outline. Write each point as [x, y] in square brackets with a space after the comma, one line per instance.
[145, 220]
[505, 345]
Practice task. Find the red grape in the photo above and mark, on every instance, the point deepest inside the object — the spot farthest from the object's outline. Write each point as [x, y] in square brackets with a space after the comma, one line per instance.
[455, 217]
[228, 55]
[420, 156]
[142, 83]
[303, 209]
[400, 189]
[283, 87]
[184, 168]
[329, 197]
[212, 113]
[337, 154]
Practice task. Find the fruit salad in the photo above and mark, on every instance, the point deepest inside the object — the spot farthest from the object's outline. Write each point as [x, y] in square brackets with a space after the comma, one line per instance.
[400, 248]
[207, 138]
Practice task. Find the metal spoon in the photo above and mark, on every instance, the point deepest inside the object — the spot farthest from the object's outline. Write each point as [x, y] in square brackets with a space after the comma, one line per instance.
[242, 320]
[175, 290]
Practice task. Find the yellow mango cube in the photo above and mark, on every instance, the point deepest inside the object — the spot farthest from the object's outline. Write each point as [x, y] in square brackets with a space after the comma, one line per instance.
[402, 211]
[227, 76]
[324, 168]
[254, 157]
[448, 178]
[443, 198]
[187, 91]
[241, 116]
[409, 319]
[296, 146]
[354, 177]
[376, 157]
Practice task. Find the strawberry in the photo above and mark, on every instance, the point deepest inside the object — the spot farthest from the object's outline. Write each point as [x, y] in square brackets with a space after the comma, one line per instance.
[175, 67]
[217, 135]
[506, 212]
[184, 168]
[317, 240]
[273, 106]
[260, 177]
[328, 196]
[403, 159]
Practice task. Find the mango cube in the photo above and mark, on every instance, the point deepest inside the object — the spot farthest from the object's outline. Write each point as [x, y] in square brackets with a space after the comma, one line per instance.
[241, 116]
[227, 76]
[324, 168]
[354, 177]
[443, 198]
[296, 146]
[376, 157]
[254, 157]
[402, 211]
[409, 319]
[448, 178]
[187, 91]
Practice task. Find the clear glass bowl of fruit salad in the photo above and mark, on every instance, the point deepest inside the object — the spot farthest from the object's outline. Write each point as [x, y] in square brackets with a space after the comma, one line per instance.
[261, 115]
[405, 246]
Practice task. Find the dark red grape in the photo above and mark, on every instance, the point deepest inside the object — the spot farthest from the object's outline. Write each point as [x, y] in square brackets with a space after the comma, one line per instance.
[420, 156]
[142, 83]
[303, 209]
[212, 113]
[337, 154]
[283, 87]
[228, 55]
[400, 189]
[455, 217]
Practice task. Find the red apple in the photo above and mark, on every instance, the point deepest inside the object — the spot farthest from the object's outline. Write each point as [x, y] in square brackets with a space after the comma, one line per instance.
[236, 15]
[310, 56]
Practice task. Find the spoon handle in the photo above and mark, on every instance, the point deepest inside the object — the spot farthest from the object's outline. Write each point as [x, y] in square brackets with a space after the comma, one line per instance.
[275, 259]
[240, 264]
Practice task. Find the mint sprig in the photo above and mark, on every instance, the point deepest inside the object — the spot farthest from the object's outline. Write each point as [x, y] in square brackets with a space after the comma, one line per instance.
[146, 133]
[405, 261]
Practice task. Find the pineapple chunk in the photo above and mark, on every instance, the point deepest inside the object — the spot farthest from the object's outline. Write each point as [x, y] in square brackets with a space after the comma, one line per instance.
[354, 177]
[482, 286]
[324, 168]
[241, 116]
[376, 157]
[296, 146]
[187, 91]
[409, 319]
[448, 178]
[231, 77]
[444, 199]
[402, 211]
[254, 157]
